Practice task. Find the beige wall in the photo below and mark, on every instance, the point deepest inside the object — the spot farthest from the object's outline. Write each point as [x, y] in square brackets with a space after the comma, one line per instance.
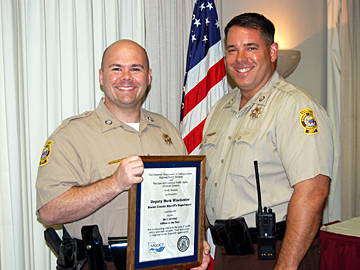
[299, 25]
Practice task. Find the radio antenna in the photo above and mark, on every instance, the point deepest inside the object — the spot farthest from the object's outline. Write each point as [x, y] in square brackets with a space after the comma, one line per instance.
[258, 186]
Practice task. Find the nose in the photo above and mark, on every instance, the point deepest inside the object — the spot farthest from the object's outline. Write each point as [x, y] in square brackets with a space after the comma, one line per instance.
[241, 56]
[126, 74]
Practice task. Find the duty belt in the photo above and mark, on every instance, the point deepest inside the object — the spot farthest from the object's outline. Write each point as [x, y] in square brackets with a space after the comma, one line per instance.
[279, 232]
[115, 251]
[74, 253]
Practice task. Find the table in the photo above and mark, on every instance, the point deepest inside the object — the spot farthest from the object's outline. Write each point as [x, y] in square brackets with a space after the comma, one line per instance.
[340, 245]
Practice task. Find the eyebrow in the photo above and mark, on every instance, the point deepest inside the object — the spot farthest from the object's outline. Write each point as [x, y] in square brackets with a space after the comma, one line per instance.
[133, 65]
[230, 46]
[251, 45]
[245, 45]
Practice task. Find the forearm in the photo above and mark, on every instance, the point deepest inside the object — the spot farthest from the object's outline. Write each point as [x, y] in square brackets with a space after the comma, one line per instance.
[303, 221]
[79, 202]
[300, 232]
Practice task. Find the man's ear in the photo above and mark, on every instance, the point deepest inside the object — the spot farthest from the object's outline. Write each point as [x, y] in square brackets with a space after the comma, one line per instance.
[149, 74]
[274, 48]
[100, 77]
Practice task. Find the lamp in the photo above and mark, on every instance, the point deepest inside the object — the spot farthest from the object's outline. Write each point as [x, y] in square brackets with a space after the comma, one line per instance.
[287, 62]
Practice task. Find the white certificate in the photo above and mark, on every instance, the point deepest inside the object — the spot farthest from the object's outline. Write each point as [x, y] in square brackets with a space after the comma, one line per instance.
[167, 213]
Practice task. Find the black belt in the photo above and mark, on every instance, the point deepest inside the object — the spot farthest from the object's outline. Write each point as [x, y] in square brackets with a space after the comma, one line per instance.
[279, 232]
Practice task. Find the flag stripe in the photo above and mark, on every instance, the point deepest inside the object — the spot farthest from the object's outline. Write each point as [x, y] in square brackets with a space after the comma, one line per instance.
[193, 139]
[200, 91]
[200, 111]
[199, 71]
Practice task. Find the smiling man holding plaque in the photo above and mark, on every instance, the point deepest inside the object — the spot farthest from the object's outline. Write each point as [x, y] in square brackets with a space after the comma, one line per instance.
[92, 160]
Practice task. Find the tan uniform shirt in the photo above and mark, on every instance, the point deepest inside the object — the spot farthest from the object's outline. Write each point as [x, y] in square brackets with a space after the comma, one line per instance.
[81, 151]
[284, 129]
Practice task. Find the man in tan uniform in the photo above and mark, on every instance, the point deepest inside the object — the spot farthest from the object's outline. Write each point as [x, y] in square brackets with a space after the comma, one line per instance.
[286, 130]
[91, 160]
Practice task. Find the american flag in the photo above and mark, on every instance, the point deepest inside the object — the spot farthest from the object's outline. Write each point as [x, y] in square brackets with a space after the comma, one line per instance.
[205, 79]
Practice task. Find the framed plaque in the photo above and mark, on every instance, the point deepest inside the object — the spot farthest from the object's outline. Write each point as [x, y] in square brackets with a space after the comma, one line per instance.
[166, 214]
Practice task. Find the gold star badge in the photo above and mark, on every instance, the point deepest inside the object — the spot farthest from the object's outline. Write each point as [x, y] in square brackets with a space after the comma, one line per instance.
[255, 112]
[167, 138]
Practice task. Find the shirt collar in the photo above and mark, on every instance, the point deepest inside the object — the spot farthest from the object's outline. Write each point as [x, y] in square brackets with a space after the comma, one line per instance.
[260, 98]
[146, 118]
[109, 121]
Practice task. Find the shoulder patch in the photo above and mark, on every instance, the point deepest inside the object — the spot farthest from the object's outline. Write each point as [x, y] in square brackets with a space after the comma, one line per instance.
[308, 121]
[46, 153]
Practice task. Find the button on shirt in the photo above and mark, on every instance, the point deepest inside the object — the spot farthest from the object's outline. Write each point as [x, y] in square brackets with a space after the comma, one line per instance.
[269, 129]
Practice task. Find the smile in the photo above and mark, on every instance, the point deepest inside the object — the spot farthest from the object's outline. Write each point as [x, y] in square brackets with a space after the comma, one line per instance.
[243, 70]
[125, 88]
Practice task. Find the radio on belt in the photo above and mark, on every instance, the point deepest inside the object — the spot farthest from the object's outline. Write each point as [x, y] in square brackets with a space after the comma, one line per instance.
[265, 225]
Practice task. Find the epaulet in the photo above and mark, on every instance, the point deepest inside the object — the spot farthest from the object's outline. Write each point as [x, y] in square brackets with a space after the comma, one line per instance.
[228, 98]
[153, 117]
[297, 92]
[73, 118]
[44, 159]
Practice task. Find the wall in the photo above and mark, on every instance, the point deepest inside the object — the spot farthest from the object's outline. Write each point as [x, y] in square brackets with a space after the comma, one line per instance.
[299, 25]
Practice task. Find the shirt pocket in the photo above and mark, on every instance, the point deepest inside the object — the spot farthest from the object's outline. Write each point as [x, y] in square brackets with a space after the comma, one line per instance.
[243, 153]
[120, 202]
[211, 138]
[209, 147]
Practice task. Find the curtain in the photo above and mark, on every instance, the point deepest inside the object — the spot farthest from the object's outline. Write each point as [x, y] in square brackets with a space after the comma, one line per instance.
[343, 101]
[167, 34]
[350, 103]
[50, 53]
[332, 210]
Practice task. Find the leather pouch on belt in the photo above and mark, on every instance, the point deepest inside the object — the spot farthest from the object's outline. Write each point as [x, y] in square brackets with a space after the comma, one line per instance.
[233, 234]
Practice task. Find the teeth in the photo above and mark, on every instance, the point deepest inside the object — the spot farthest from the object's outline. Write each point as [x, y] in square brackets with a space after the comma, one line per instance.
[242, 70]
[125, 88]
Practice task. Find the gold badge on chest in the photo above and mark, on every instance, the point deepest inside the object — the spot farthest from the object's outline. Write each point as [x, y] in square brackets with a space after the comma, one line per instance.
[255, 112]
[167, 138]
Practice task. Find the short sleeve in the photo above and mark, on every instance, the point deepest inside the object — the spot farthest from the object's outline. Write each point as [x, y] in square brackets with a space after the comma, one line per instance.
[304, 139]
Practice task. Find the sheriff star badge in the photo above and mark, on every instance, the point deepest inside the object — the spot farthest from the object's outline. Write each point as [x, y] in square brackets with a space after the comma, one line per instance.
[255, 112]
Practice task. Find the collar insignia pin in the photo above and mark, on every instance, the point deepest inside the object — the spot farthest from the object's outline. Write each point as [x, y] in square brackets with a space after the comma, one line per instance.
[262, 98]
[167, 138]
[255, 112]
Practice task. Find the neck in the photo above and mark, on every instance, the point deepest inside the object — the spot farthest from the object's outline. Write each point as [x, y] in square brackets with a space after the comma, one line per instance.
[243, 101]
[246, 96]
[126, 115]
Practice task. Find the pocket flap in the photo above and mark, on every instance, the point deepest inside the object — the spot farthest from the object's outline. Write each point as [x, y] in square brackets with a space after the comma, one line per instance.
[247, 135]
[211, 138]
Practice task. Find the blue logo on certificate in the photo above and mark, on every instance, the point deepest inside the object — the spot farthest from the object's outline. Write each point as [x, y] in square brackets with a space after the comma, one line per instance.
[156, 247]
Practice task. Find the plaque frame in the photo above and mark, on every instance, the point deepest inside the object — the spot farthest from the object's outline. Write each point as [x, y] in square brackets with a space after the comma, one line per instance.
[134, 202]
